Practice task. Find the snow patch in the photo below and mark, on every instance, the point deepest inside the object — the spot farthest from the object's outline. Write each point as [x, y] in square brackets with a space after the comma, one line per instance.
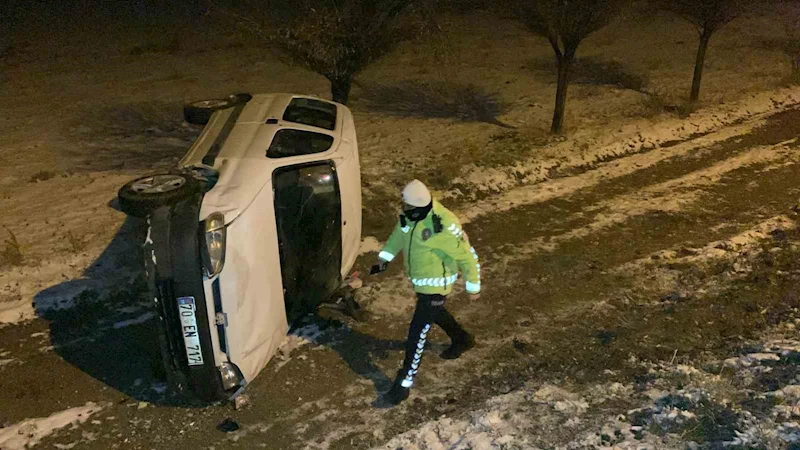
[307, 335]
[669, 196]
[30, 432]
[550, 416]
[750, 360]
[370, 244]
[563, 156]
[50, 286]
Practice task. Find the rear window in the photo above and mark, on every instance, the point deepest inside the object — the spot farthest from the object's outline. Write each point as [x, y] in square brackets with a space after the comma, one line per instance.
[311, 112]
[288, 142]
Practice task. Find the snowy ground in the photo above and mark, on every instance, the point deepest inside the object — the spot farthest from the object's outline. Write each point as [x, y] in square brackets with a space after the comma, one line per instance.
[747, 400]
[602, 250]
[28, 433]
[721, 404]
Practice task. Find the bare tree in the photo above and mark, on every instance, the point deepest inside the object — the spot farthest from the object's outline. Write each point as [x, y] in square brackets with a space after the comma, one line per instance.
[565, 24]
[708, 16]
[789, 11]
[334, 38]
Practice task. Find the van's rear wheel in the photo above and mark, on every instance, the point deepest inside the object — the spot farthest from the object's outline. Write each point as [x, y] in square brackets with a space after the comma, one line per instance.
[142, 196]
[199, 113]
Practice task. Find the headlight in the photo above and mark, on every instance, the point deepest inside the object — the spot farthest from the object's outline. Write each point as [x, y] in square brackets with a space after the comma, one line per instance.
[215, 243]
[230, 377]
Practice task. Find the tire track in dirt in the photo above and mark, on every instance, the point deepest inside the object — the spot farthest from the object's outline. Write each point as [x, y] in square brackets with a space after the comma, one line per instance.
[669, 197]
[544, 205]
[607, 172]
[564, 160]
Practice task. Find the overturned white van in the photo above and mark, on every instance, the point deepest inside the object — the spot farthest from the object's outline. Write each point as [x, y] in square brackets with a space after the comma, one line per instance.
[258, 225]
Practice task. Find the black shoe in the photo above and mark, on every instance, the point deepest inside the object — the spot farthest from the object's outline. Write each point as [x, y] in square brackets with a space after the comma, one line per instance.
[458, 347]
[397, 394]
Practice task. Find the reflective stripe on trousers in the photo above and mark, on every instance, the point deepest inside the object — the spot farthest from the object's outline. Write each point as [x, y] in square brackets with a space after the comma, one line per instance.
[408, 381]
[430, 310]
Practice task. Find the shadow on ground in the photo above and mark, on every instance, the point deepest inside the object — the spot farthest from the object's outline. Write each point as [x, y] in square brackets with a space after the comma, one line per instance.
[433, 100]
[358, 350]
[596, 71]
[362, 352]
[101, 323]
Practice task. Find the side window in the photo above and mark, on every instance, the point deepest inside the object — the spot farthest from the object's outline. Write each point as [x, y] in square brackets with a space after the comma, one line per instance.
[311, 112]
[288, 142]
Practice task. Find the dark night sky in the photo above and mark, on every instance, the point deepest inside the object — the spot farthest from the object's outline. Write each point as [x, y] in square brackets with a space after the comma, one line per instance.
[63, 13]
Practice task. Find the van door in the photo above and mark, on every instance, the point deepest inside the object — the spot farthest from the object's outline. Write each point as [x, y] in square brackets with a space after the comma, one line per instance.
[308, 212]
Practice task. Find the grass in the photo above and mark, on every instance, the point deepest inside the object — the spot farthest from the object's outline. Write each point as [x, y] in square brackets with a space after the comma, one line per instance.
[11, 253]
[715, 423]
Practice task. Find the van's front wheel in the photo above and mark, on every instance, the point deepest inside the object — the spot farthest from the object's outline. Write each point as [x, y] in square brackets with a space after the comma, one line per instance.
[142, 196]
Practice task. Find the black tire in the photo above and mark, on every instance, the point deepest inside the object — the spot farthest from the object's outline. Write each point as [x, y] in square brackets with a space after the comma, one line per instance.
[136, 202]
[199, 113]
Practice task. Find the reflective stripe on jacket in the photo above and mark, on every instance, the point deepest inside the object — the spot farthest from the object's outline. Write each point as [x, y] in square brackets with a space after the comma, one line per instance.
[434, 255]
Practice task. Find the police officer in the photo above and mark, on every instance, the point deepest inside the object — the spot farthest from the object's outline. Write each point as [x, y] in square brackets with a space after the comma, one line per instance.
[435, 250]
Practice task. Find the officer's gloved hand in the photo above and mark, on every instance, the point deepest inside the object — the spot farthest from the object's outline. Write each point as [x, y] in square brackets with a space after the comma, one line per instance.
[380, 267]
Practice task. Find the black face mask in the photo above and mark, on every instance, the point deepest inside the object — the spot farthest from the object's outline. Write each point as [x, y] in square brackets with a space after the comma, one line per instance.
[419, 213]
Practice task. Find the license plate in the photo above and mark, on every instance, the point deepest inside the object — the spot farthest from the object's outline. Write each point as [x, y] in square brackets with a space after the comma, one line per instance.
[191, 336]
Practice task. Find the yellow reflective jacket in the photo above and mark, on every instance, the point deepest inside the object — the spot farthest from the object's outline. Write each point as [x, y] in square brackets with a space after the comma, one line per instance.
[435, 250]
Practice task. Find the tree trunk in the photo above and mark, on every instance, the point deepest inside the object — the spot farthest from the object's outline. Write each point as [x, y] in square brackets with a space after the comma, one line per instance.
[340, 88]
[705, 37]
[564, 64]
[796, 68]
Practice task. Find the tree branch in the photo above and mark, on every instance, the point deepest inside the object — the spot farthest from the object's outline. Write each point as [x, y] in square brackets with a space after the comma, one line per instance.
[556, 48]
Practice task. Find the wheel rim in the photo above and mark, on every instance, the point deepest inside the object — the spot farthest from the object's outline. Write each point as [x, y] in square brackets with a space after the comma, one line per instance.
[210, 103]
[158, 184]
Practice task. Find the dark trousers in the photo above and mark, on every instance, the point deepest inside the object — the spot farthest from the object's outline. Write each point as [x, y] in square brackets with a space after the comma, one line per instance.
[430, 310]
